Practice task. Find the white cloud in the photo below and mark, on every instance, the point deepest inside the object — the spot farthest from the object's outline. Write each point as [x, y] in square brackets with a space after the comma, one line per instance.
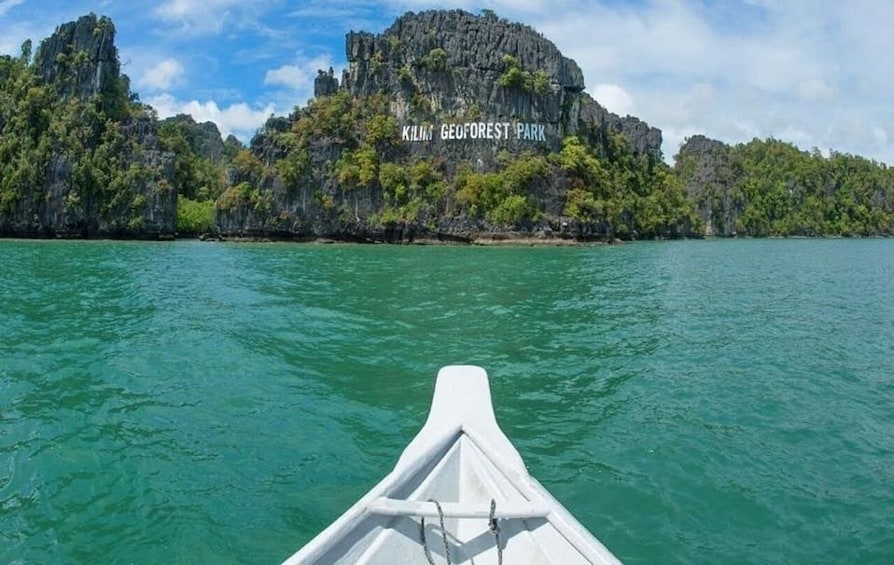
[614, 98]
[300, 75]
[198, 17]
[238, 119]
[816, 90]
[16, 32]
[11, 44]
[7, 5]
[795, 135]
[768, 69]
[291, 76]
[297, 78]
[162, 76]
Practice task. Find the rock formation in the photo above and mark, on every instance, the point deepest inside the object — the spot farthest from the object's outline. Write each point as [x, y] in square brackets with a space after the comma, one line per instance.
[325, 84]
[452, 63]
[708, 174]
[204, 138]
[98, 169]
[80, 58]
[464, 92]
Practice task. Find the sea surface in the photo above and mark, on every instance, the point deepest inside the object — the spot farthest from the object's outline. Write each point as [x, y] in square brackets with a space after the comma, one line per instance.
[690, 402]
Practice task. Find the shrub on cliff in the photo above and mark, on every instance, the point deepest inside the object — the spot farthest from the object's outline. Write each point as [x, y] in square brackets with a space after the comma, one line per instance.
[195, 217]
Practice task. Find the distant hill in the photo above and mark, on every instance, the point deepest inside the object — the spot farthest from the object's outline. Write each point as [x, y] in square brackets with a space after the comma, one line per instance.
[772, 188]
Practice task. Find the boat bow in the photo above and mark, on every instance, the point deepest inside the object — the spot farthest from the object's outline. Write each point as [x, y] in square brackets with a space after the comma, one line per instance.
[460, 493]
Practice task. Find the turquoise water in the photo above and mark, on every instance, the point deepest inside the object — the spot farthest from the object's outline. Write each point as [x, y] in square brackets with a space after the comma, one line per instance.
[689, 402]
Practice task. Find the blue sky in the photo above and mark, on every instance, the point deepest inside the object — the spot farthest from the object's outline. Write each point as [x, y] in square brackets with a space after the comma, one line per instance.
[817, 73]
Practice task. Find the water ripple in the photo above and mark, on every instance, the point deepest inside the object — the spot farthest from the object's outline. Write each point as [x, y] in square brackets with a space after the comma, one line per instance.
[689, 402]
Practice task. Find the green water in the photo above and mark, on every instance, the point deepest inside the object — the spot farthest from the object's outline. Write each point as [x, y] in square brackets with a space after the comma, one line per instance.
[691, 402]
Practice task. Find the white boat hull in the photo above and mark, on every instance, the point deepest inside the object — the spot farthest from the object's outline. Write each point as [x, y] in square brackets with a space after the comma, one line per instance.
[462, 483]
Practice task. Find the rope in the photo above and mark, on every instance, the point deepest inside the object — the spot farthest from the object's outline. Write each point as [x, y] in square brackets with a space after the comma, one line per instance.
[443, 534]
[425, 545]
[491, 522]
[495, 529]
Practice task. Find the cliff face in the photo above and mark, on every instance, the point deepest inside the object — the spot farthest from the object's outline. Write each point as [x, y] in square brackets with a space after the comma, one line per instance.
[465, 73]
[709, 176]
[68, 205]
[391, 152]
[643, 138]
[438, 64]
[96, 167]
[203, 139]
[80, 59]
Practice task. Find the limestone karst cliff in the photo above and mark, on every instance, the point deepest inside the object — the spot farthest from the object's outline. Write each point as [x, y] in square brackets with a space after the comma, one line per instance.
[453, 63]
[453, 126]
[710, 177]
[772, 188]
[79, 158]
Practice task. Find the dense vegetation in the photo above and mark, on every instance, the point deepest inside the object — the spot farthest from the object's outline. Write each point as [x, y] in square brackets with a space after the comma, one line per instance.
[71, 164]
[199, 170]
[582, 190]
[585, 190]
[36, 123]
[81, 156]
[771, 188]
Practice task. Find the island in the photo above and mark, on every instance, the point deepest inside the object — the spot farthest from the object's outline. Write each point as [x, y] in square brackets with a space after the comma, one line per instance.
[446, 127]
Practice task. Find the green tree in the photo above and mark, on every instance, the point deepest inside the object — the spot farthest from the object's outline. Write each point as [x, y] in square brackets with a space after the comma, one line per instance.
[195, 217]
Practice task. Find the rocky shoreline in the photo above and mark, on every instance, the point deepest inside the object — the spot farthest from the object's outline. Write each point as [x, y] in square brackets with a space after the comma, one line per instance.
[483, 240]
